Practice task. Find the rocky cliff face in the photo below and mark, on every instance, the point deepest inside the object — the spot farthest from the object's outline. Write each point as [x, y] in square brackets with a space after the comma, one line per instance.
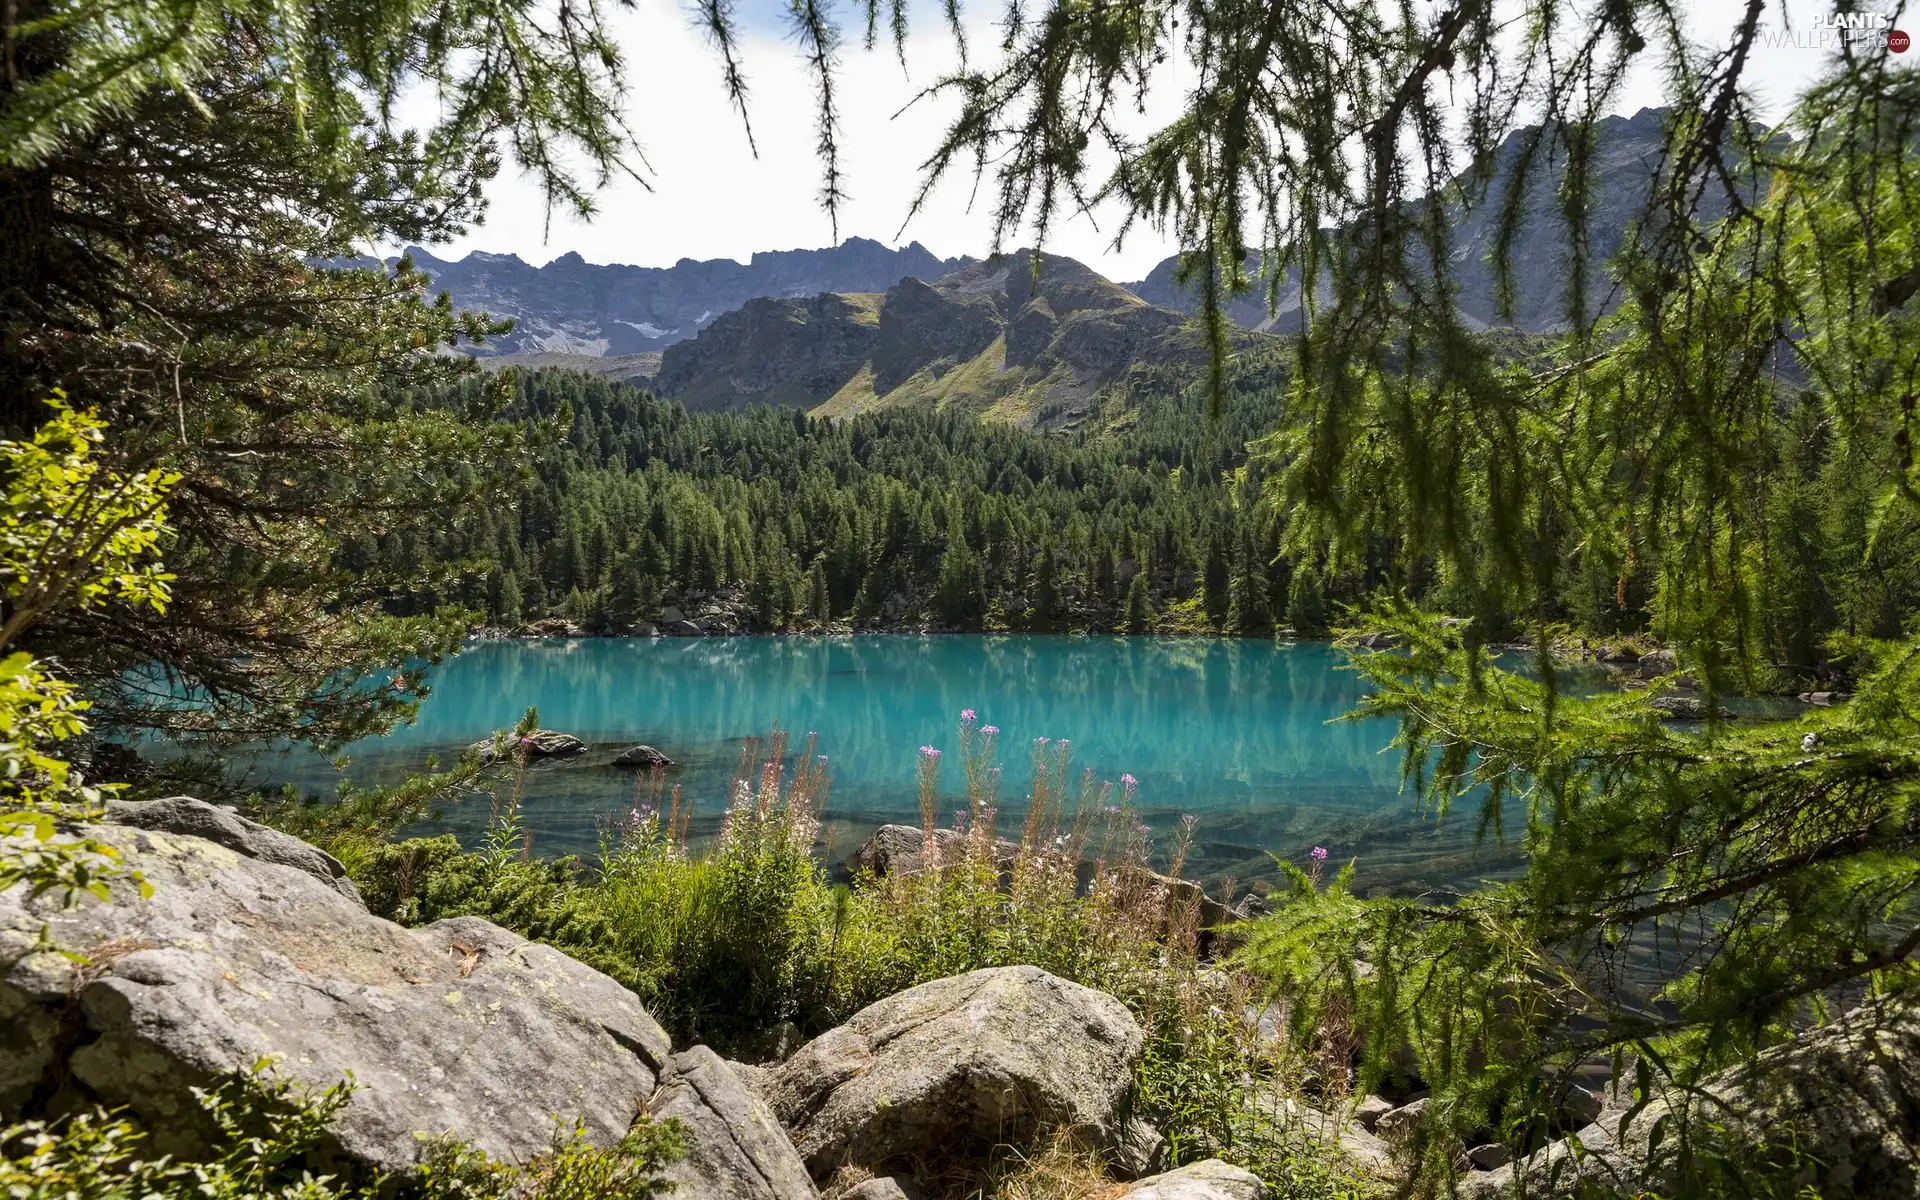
[994, 337]
[571, 306]
[1626, 154]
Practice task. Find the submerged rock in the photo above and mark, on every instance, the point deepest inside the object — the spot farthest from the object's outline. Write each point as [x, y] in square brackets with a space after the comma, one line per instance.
[642, 756]
[458, 1028]
[992, 1057]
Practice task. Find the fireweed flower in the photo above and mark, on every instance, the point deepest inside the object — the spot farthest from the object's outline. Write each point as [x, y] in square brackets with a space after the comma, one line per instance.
[967, 714]
[1319, 854]
[1188, 820]
[928, 752]
[1129, 781]
[989, 730]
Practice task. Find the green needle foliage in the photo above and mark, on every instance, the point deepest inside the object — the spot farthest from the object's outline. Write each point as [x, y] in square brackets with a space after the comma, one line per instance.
[183, 186]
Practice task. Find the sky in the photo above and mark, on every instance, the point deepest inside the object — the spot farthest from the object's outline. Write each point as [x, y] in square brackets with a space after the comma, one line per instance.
[709, 196]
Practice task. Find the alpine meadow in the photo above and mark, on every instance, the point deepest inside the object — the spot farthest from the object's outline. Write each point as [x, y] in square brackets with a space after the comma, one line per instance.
[1581, 432]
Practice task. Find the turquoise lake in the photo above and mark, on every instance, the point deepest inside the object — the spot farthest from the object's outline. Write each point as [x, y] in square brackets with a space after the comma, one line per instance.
[1242, 734]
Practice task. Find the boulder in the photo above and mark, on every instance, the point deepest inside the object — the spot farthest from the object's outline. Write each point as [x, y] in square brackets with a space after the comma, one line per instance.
[897, 849]
[1838, 1102]
[885, 1188]
[671, 615]
[1685, 708]
[1182, 893]
[1369, 1111]
[642, 756]
[1208, 1180]
[1141, 1149]
[736, 1149]
[1490, 1157]
[457, 1028]
[1363, 1149]
[541, 743]
[1659, 662]
[1399, 1124]
[197, 818]
[987, 1058]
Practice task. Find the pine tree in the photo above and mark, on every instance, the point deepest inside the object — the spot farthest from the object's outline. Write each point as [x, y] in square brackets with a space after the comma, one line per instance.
[1139, 605]
[819, 603]
[1046, 594]
[1217, 594]
[506, 609]
[959, 593]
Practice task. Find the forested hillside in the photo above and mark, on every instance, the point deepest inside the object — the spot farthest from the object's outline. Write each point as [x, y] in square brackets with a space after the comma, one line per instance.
[894, 519]
[906, 518]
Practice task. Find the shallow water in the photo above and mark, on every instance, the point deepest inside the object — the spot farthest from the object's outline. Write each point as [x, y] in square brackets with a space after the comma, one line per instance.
[1242, 734]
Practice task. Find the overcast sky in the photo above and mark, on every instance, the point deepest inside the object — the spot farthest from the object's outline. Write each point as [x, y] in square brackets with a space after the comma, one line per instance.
[711, 198]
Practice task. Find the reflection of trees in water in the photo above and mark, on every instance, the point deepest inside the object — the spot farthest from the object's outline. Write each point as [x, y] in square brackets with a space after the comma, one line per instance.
[1237, 731]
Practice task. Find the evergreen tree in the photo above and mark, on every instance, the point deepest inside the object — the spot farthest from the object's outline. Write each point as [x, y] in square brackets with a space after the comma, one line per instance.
[959, 593]
[1045, 614]
[1216, 588]
[506, 608]
[819, 603]
[1139, 606]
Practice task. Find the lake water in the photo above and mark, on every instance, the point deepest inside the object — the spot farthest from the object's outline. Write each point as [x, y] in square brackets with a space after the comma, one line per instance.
[1242, 734]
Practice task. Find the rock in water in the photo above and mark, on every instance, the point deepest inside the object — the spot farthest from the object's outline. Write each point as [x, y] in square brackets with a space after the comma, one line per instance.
[642, 756]
[736, 1149]
[197, 818]
[1208, 1180]
[541, 743]
[992, 1057]
[458, 1028]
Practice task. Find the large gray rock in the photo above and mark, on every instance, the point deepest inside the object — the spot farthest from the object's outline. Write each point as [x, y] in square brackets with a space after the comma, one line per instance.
[459, 1028]
[736, 1149]
[1657, 663]
[989, 1057]
[197, 818]
[1208, 1180]
[898, 849]
[1844, 1098]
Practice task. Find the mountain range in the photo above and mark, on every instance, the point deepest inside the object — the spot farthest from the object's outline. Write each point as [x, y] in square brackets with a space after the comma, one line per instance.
[860, 325]
[995, 338]
[571, 306]
[1627, 151]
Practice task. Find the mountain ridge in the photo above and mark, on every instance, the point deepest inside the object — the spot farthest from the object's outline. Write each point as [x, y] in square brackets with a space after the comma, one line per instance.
[571, 306]
[1627, 152]
[995, 338]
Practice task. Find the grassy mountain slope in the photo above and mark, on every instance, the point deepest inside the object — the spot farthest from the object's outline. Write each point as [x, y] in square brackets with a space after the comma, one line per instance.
[996, 338]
